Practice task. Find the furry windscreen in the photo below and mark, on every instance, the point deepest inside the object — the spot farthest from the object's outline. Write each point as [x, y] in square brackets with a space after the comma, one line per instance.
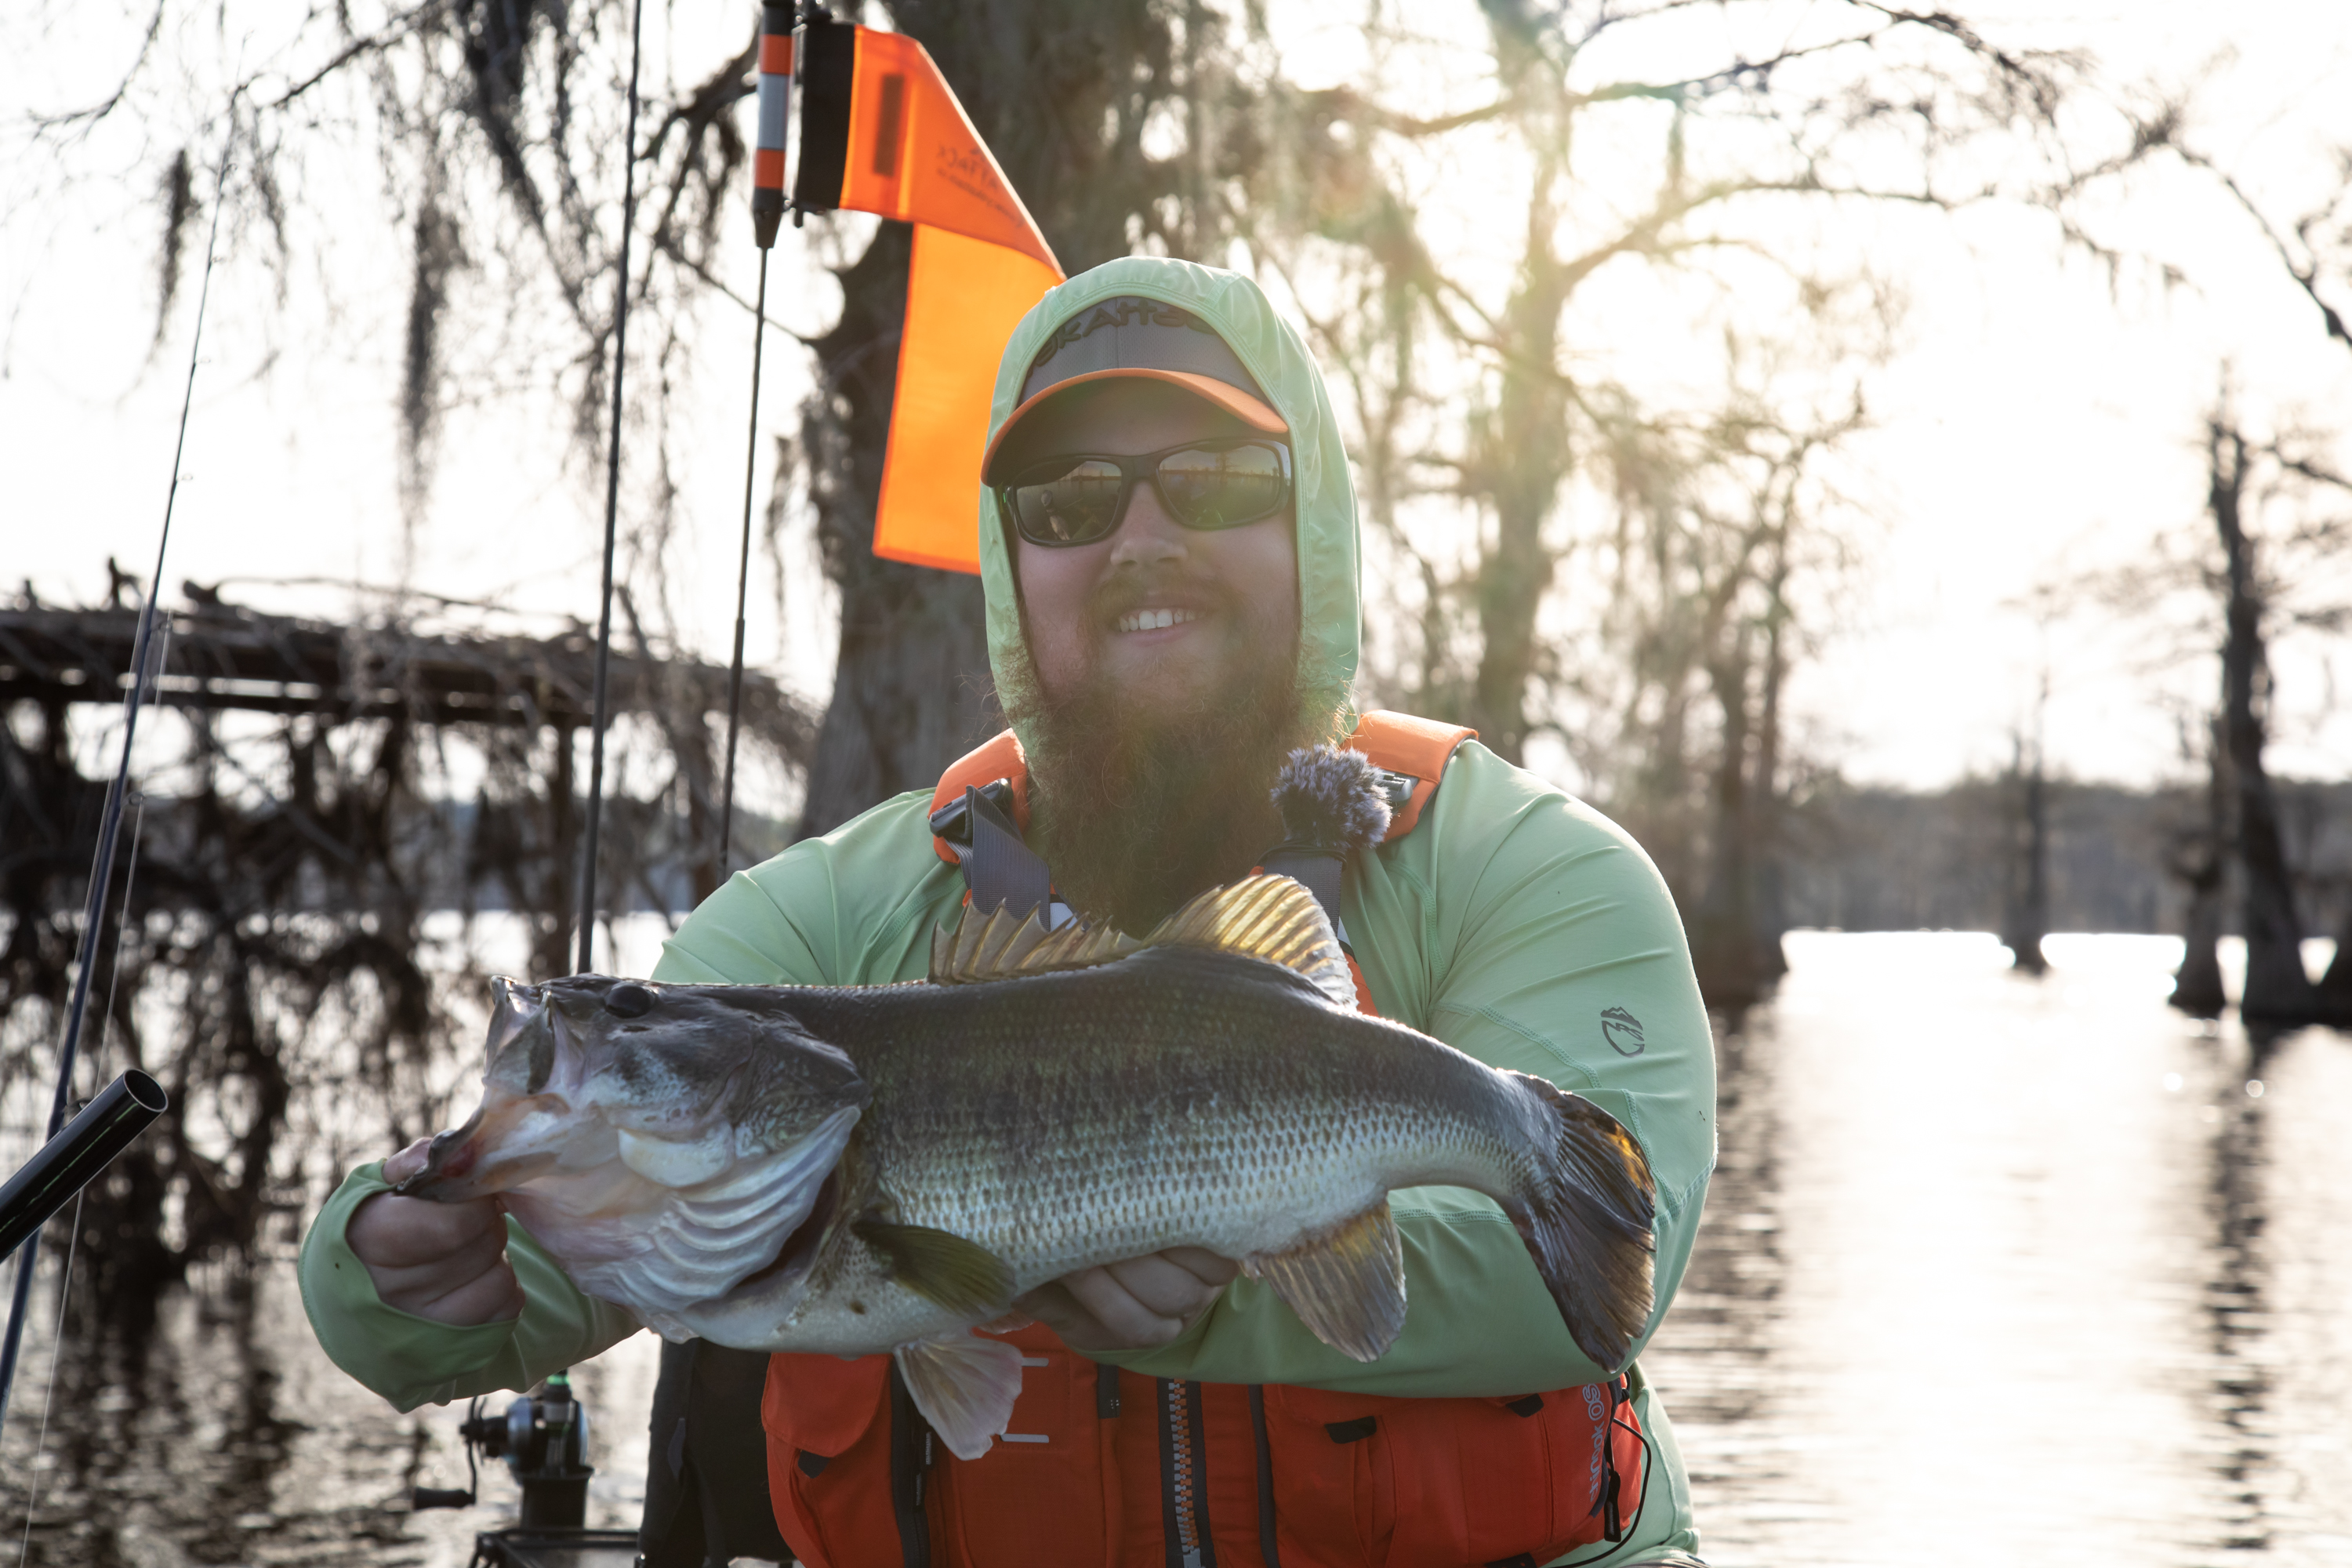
[1330, 799]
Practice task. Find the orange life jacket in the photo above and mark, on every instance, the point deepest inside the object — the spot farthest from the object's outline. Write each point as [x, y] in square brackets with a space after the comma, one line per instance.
[1101, 1466]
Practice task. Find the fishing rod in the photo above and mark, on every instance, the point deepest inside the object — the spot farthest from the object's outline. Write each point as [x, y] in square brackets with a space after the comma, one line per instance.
[112, 1132]
[767, 217]
[612, 504]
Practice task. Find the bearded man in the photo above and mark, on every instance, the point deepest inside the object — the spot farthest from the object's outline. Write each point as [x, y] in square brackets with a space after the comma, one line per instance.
[1168, 547]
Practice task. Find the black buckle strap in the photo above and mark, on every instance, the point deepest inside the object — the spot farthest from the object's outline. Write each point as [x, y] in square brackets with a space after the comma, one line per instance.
[1000, 870]
[1317, 869]
[952, 821]
[1355, 1431]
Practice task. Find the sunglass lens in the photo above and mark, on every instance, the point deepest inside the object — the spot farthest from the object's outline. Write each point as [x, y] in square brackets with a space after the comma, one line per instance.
[1223, 489]
[1076, 506]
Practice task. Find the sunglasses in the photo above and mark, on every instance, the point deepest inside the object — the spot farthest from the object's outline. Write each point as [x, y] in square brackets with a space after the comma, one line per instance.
[1204, 485]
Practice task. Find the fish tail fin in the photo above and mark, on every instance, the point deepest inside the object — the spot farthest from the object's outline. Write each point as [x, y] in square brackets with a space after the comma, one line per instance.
[1586, 1223]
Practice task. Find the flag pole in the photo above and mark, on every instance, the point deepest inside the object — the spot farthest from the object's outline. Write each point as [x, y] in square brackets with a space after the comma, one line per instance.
[767, 216]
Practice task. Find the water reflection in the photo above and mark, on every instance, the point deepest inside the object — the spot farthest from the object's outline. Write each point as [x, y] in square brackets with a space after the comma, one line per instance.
[2234, 1303]
[231, 1439]
[1726, 1383]
[2035, 1278]
[1993, 1271]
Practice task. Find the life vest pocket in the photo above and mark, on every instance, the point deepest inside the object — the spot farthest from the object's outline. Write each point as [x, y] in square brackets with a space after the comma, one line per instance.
[1419, 1483]
[1334, 1494]
[829, 1459]
[1037, 1495]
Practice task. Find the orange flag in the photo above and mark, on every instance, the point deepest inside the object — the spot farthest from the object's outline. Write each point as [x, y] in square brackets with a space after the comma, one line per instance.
[881, 132]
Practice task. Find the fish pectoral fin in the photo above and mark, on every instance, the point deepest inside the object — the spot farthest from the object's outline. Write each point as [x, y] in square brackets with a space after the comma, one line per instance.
[940, 1266]
[1011, 1324]
[1347, 1285]
[1273, 918]
[964, 1385]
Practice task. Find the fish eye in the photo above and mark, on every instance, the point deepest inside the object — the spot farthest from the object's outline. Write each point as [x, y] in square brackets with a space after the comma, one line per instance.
[628, 1000]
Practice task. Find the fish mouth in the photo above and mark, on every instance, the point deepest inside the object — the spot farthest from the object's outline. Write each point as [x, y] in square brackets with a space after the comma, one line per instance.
[467, 1161]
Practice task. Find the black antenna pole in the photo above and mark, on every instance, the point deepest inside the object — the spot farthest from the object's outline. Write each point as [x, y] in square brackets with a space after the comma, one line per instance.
[743, 571]
[109, 829]
[777, 68]
[612, 506]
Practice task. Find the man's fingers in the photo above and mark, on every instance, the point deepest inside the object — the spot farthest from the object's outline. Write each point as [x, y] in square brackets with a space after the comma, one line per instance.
[443, 1261]
[1053, 1305]
[1132, 1304]
[403, 1284]
[407, 1162]
[394, 1232]
[1203, 1265]
[451, 1283]
[491, 1296]
[1129, 1319]
[1166, 1285]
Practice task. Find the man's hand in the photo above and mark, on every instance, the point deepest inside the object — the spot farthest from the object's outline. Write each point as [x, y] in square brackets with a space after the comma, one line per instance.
[443, 1261]
[1133, 1304]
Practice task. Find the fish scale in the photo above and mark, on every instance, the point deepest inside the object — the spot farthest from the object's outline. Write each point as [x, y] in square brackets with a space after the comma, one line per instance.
[1171, 1138]
[1051, 1102]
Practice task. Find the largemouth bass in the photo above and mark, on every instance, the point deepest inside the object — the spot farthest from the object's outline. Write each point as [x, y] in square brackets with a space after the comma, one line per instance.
[883, 1168]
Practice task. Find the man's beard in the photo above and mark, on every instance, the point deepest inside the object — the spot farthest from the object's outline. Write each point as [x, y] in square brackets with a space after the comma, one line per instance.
[1137, 810]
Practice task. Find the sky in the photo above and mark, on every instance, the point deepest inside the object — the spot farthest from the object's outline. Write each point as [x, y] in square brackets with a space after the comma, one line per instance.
[2039, 423]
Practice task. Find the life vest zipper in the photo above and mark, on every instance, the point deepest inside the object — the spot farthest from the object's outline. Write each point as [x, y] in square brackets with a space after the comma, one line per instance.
[910, 1464]
[1184, 1476]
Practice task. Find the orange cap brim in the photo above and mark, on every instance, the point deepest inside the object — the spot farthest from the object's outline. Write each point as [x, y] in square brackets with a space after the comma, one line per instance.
[1241, 404]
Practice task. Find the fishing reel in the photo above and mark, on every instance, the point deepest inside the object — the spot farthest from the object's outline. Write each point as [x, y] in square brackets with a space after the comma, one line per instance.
[543, 1438]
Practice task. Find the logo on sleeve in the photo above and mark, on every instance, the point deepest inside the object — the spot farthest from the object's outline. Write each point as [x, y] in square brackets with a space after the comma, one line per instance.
[1621, 1030]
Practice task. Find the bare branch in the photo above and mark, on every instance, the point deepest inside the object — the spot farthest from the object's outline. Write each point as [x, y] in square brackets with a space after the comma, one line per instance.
[82, 119]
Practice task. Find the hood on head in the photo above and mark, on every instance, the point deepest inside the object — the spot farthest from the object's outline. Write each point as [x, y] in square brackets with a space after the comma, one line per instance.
[1330, 574]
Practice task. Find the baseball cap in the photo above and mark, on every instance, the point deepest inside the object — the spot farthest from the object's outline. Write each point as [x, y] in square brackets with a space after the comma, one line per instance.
[1142, 339]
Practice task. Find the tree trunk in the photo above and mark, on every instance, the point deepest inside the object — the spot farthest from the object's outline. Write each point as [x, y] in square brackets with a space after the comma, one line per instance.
[910, 684]
[1770, 908]
[1725, 952]
[1524, 457]
[2335, 985]
[2277, 988]
[911, 688]
[2026, 917]
[2197, 989]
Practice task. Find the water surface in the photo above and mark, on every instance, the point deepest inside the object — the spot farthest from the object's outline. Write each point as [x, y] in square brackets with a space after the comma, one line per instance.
[2004, 1271]
[1994, 1271]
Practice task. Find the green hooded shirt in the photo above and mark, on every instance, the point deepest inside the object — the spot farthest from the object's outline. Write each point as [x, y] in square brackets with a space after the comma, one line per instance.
[1515, 923]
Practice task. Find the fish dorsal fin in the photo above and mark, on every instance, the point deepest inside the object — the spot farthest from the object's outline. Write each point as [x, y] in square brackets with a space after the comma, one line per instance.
[1273, 918]
[996, 946]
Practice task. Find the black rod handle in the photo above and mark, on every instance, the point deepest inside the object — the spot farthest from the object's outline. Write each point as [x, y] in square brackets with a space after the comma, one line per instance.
[68, 1161]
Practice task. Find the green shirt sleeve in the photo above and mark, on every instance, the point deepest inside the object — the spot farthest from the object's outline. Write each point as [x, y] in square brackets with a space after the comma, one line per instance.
[414, 1361]
[1530, 932]
[862, 901]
